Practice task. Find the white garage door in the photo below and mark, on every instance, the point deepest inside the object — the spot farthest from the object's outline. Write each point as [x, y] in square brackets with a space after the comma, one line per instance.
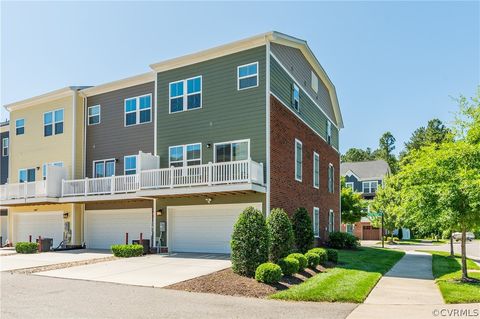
[104, 228]
[45, 224]
[203, 228]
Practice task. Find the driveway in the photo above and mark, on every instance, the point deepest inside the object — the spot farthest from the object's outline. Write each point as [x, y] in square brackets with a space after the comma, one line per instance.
[21, 261]
[150, 270]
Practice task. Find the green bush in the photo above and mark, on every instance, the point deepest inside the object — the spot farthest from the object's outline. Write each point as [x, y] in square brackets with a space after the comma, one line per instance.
[342, 240]
[332, 255]
[322, 254]
[302, 260]
[26, 248]
[268, 273]
[289, 265]
[312, 260]
[302, 229]
[249, 242]
[127, 250]
[280, 234]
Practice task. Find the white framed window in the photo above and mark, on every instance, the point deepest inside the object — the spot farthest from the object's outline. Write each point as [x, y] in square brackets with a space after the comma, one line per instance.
[185, 155]
[5, 142]
[331, 178]
[316, 222]
[296, 97]
[298, 160]
[26, 175]
[314, 83]
[369, 187]
[104, 168]
[316, 170]
[247, 76]
[349, 185]
[20, 126]
[94, 114]
[185, 95]
[232, 151]
[44, 168]
[138, 110]
[53, 122]
[130, 165]
[331, 221]
[329, 132]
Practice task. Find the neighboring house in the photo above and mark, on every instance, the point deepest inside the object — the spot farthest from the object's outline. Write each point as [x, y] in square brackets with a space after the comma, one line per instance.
[177, 153]
[364, 178]
[5, 149]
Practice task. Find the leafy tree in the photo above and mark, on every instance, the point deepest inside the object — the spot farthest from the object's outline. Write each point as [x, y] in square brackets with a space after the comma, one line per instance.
[303, 231]
[386, 146]
[357, 155]
[280, 234]
[353, 206]
[434, 133]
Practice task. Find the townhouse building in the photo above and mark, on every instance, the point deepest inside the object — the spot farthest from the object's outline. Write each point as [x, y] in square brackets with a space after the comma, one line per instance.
[4, 146]
[175, 154]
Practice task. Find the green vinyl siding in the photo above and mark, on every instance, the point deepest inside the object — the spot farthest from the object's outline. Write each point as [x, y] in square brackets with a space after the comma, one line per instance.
[226, 114]
[281, 86]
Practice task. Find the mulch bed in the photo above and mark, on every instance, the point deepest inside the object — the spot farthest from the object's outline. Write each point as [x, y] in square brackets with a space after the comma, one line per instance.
[32, 270]
[226, 282]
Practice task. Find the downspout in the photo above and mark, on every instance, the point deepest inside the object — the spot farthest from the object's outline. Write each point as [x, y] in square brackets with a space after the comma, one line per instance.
[74, 153]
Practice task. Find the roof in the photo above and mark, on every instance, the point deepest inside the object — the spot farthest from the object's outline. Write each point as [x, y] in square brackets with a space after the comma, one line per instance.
[119, 84]
[368, 170]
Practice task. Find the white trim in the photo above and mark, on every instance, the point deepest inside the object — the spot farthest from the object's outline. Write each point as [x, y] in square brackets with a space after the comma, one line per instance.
[55, 122]
[137, 110]
[369, 186]
[350, 185]
[119, 84]
[104, 166]
[125, 162]
[295, 88]
[185, 95]
[316, 219]
[317, 180]
[297, 141]
[247, 76]
[99, 114]
[23, 126]
[184, 154]
[155, 121]
[332, 190]
[267, 119]
[350, 173]
[5, 154]
[27, 169]
[331, 221]
[230, 142]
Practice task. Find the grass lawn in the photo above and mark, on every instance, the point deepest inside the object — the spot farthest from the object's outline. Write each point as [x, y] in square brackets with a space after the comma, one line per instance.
[417, 242]
[448, 272]
[351, 280]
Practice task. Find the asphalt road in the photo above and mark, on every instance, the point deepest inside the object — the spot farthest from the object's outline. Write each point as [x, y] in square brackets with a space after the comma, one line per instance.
[30, 296]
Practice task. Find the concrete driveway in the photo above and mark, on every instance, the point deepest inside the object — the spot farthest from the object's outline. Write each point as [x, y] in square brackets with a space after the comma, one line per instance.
[21, 261]
[150, 270]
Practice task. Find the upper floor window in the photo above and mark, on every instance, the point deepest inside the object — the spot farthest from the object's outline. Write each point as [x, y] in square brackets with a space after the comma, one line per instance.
[94, 114]
[329, 132]
[185, 155]
[185, 95]
[296, 97]
[20, 126]
[247, 76]
[314, 83]
[5, 142]
[331, 178]
[316, 170]
[232, 151]
[26, 175]
[130, 165]
[138, 110]
[44, 168]
[316, 221]
[331, 221]
[104, 168]
[349, 185]
[370, 187]
[53, 122]
[298, 160]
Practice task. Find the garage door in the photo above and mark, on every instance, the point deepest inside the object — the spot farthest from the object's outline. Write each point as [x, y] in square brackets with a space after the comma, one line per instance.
[203, 228]
[45, 224]
[104, 228]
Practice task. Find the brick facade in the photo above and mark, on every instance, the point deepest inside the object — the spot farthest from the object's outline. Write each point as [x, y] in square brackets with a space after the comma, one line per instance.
[285, 191]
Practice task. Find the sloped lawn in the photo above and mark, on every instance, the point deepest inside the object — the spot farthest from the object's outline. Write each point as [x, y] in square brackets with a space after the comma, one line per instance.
[357, 272]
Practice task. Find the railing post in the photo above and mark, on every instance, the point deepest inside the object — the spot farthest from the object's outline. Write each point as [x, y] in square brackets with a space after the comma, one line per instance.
[138, 181]
[250, 165]
[210, 172]
[171, 176]
[25, 189]
[86, 186]
[112, 184]
[63, 186]
[261, 181]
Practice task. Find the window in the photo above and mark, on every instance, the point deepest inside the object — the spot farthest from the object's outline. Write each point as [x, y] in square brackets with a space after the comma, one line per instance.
[296, 97]
[329, 132]
[26, 175]
[298, 160]
[331, 217]
[185, 155]
[331, 178]
[44, 168]
[316, 170]
[232, 151]
[186, 95]
[5, 146]
[104, 168]
[314, 83]
[349, 185]
[247, 76]
[370, 187]
[130, 165]
[94, 115]
[316, 221]
[20, 126]
[53, 122]
[138, 110]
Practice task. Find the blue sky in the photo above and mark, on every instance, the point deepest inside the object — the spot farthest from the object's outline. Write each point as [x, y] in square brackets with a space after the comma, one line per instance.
[395, 64]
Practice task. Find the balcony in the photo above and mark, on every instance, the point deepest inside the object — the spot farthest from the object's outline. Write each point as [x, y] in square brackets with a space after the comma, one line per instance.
[23, 190]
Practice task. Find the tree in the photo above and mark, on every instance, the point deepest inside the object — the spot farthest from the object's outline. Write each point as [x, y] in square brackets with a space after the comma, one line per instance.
[434, 133]
[303, 230]
[386, 146]
[357, 155]
[353, 206]
[280, 234]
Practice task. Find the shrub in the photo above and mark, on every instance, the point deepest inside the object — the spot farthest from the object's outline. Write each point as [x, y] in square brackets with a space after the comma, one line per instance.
[249, 242]
[127, 250]
[302, 229]
[312, 260]
[332, 255]
[268, 273]
[322, 254]
[280, 234]
[342, 240]
[289, 265]
[302, 260]
[26, 248]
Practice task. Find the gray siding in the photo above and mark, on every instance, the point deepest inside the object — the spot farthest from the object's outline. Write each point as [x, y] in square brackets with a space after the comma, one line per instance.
[3, 160]
[110, 138]
[358, 185]
[226, 114]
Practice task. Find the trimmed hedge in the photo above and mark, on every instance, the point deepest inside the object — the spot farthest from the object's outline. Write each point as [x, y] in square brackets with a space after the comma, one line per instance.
[26, 248]
[268, 273]
[280, 234]
[302, 260]
[302, 228]
[289, 265]
[322, 254]
[312, 260]
[249, 242]
[127, 250]
[332, 255]
[342, 240]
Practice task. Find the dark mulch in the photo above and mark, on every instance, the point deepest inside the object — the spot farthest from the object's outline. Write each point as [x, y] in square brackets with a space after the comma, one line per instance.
[226, 282]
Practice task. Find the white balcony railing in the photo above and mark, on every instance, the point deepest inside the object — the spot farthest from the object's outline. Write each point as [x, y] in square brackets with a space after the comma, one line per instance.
[23, 190]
